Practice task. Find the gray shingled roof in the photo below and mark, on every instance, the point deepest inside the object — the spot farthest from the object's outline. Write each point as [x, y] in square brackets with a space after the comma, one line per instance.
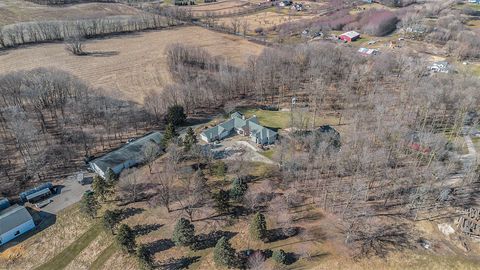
[130, 151]
[236, 121]
[13, 217]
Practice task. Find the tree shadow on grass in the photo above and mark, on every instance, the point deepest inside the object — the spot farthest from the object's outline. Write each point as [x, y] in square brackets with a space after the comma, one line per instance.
[145, 229]
[101, 54]
[279, 234]
[204, 241]
[182, 263]
[130, 212]
[159, 246]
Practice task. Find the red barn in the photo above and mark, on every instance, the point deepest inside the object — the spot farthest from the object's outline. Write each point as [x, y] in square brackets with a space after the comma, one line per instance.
[349, 36]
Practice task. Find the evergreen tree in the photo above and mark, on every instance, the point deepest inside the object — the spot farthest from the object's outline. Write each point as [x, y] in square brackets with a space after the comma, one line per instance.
[219, 169]
[126, 238]
[89, 204]
[111, 177]
[222, 201]
[239, 187]
[224, 254]
[258, 227]
[100, 187]
[279, 256]
[176, 115]
[144, 257]
[190, 139]
[170, 134]
[111, 219]
[184, 233]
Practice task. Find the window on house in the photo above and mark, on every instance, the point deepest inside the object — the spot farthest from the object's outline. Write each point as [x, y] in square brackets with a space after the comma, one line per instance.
[17, 233]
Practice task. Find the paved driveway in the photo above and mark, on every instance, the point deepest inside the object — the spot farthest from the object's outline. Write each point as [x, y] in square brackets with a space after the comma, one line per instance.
[70, 193]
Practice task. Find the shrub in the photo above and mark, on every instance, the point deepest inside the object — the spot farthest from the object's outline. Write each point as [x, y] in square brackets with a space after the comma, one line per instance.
[219, 169]
[279, 256]
[184, 233]
[111, 219]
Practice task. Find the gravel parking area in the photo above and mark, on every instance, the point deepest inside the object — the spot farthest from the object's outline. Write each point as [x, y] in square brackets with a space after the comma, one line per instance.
[69, 192]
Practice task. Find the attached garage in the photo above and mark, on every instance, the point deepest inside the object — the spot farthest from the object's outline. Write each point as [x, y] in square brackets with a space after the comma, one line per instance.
[14, 221]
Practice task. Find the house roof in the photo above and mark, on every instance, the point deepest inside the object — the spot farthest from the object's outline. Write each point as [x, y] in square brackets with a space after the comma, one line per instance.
[351, 34]
[13, 217]
[237, 121]
[128, 152]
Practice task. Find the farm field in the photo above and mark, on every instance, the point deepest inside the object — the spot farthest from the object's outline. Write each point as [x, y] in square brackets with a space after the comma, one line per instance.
[127, 66]
[14, 11]
[267, 19]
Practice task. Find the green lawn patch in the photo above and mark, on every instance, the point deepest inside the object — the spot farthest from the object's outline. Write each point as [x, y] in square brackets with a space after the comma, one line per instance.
[103, 257]
[268, 153]
[281, 119]
[64, 258]
[271, 119]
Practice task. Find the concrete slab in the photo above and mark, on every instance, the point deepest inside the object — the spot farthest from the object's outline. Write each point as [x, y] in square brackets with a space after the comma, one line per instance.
[70, 192]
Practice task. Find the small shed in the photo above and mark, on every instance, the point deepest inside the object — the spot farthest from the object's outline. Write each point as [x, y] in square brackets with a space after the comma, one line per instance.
[4, 203]
[349, 36]
[37, 193]
[14, 221]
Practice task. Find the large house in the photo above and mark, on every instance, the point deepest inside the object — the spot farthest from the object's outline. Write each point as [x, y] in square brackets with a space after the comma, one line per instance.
[129, 155]
[238, 124]
[14, 221]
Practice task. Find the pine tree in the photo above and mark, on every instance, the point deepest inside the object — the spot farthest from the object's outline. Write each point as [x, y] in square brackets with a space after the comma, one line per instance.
[258, 227]
[170, 134]
[239, 187]
[144, 257]
[111, 177]
[224, 254]
[89, 204]
[190, 139]
[222, 201]
[100, 187]
[111, 219]
[126, 238]
[184, 233]
[176, 115]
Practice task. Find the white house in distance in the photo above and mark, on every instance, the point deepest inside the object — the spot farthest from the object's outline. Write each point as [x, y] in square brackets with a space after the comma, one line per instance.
[15, 220]
[246, 127]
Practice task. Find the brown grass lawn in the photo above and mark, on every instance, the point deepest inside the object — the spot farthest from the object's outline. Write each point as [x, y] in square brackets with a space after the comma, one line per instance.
[13, 11]
[131, 65]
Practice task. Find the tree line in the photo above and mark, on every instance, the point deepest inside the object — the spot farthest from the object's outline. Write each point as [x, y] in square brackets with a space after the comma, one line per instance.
[37, 32]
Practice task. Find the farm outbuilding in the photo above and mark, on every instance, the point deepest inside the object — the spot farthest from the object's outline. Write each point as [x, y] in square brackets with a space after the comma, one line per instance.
[14, 221]
[37, 193]
[349, 36]
[127, 156]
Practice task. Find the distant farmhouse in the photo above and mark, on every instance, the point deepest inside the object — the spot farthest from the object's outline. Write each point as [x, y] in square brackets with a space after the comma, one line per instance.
[129, 155]
[349, 36]
[440, 66]
[184, 2]
[15, 220]
[238, 124]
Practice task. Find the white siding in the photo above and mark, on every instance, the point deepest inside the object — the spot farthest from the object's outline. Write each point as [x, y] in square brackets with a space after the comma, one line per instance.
[25, 227]
[204, 138]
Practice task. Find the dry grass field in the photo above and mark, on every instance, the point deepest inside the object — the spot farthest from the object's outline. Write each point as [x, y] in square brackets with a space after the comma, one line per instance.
[267, 19]
[13, 11]
[131, 65]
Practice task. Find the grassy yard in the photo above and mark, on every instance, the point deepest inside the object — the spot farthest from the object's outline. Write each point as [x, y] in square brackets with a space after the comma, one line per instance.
[64, 258]
[103, 257]
[281, 119]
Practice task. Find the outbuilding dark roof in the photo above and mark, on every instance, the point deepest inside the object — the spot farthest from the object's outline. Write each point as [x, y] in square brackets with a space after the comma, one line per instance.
[13, 217]
[131, 151]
